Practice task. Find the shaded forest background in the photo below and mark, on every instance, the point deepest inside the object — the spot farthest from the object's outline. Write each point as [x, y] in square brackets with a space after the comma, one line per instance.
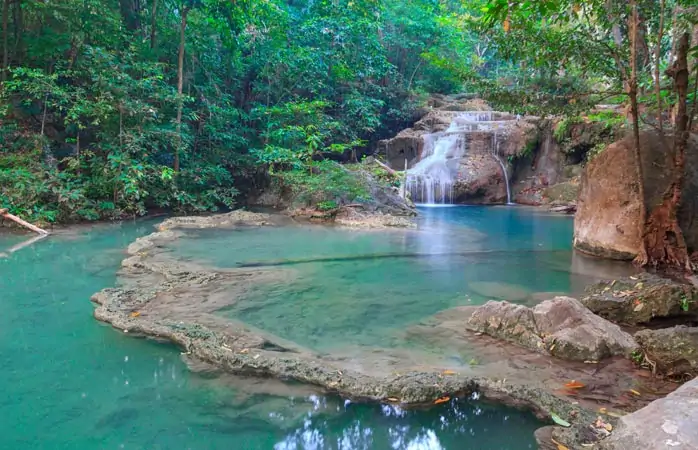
[114, 107]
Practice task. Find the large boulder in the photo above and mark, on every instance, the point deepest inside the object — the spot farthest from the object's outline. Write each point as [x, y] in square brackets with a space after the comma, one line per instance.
[673, 350]
[608, 223]
[560, 327]
[667, 423]
[641, 298]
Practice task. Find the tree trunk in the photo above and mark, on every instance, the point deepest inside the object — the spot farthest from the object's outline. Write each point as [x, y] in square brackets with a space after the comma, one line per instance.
[641, 258]
[180, 87]
[153, 23]
[664, 239]
[18, 18]
[657, 59]
[5, 39]
[130, 14]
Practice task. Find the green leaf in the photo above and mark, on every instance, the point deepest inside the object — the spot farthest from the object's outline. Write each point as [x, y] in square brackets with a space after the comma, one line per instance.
[558, 420]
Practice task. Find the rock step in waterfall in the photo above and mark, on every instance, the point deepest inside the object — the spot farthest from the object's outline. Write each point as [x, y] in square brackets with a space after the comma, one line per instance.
[431, 180]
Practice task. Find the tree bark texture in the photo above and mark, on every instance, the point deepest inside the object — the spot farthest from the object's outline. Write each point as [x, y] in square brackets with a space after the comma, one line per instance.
[663, 237]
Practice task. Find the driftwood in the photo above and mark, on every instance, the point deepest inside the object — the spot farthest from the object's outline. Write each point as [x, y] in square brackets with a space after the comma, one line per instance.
[24, 223]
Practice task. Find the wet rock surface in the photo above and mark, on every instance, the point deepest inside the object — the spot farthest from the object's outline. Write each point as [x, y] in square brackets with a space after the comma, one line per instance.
[561, 327]
[673, 351]
[479, 156]
[641, 299]
[668, 423]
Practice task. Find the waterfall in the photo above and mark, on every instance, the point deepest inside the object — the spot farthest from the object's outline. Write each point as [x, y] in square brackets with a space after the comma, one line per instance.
[431, 180]
[495, 153]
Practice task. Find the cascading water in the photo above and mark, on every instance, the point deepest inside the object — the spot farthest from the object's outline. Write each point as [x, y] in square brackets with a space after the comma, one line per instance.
[495, 153]
[431, 180]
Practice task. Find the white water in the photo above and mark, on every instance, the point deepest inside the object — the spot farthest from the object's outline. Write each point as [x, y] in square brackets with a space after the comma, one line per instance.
[431, 180]
[495, 153]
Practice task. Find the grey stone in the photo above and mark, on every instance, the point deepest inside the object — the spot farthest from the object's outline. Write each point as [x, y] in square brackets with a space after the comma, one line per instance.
[641, 298]
[573, 332]
[561, 327]
[673, 350]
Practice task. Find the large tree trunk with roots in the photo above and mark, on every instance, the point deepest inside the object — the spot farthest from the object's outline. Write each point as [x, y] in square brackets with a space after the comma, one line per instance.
[663, 238]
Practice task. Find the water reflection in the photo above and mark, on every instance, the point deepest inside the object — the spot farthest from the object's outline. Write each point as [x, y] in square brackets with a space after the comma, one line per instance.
[457, 425]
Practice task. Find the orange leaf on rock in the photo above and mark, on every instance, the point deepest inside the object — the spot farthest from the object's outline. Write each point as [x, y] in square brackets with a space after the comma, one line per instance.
[441, 400]
[559, 446]
[135, 314]
[574, 385]
[448, 372]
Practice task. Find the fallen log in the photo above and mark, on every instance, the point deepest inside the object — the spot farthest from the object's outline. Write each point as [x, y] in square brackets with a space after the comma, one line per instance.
[386, 167]
[24, 223]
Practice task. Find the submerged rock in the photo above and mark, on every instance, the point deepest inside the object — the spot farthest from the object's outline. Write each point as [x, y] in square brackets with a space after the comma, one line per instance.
[560, 327]
[640, 299]
[667, 423]
[673, 350]
[501, 291]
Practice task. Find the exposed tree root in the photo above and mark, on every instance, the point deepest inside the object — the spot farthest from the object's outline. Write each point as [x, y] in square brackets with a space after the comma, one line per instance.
[664, 241]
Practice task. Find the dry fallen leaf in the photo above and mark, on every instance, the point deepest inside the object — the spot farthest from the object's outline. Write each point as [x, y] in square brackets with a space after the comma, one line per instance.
[559, 446]
[392, 399]
[245, 351]
[441, 400]
[448, 372]
[633, 391]
[608, 427]
[603, 410]
[574, 385]
[135, 314]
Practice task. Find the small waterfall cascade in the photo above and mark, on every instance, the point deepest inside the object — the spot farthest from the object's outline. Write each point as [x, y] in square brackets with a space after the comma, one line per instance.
[498, 157]
[432, 178]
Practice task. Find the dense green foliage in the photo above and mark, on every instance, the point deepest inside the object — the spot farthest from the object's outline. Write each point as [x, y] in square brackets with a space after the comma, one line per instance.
[115, 107]
[567, 56]
[92, 123]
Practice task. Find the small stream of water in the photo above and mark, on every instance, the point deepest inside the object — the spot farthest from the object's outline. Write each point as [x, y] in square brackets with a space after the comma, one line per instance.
[71, 382]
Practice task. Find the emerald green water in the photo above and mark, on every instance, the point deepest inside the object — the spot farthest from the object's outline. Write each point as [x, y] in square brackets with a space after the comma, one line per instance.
[365, 288]
[69, 382]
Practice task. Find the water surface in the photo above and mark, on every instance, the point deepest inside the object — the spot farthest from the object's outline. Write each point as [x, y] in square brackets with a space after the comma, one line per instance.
[69, 382]
[365, 288]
